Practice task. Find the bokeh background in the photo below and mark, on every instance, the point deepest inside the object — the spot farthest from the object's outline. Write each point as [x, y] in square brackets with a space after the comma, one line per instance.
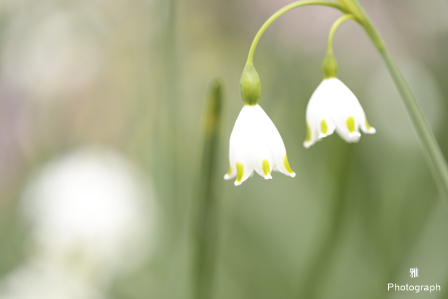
[101, 141]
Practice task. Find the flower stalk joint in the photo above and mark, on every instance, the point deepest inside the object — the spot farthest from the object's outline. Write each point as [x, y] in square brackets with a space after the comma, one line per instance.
[329, 66]
[250, 85]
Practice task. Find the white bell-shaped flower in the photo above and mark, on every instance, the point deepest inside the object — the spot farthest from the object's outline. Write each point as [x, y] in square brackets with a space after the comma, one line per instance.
[333, 106]
[256, 144]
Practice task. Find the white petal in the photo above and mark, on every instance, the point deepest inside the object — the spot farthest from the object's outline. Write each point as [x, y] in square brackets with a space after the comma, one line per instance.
[347, 111]
[276, 145]
[254, 140]
[248, 172]
[366, 128]
[264, 163]
[232, 165]
[231, 174]
[335, 103]
[319, 110]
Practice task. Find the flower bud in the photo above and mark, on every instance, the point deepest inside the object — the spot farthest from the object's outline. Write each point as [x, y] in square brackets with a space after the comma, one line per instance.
[329, 66]
[250, 86]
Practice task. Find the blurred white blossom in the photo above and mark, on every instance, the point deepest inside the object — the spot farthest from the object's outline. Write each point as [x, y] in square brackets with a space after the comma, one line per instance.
[91, 212]
[33, 280]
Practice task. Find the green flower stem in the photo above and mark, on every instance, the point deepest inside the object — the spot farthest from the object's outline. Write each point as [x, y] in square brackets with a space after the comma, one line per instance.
[329, 65]
[336, 25]
[281, 11]
[205, 217]
[434, 157]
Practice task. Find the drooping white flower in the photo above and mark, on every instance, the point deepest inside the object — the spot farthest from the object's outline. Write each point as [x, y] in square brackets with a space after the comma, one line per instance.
[333, 106]
[256, 144]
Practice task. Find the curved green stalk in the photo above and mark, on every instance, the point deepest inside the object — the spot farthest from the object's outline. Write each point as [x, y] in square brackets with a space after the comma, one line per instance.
[281, 11]
[329, 65]
[433, 154]
[335, 26]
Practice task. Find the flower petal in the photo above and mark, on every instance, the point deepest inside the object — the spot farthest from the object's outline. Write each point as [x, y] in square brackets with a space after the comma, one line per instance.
[366, 128]
[231, 173]
[255, 144]
[243, 173]
[318, 115]
[333, 106]
[264, 169]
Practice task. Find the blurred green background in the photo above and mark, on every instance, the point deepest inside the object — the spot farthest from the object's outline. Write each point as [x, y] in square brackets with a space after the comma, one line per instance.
[133, 76]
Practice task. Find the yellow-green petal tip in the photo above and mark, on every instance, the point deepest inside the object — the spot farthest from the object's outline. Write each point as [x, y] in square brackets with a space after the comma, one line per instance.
[323, 127]
[287, 167]
[351, 124]
[239, 172]
[266, 168]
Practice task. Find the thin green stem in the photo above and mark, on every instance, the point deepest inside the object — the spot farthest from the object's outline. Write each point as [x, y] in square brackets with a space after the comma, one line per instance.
[206, 209]
[433, 154]
[281, 11]
[363, 19]
[434, 157]
[329, 65]
[336, 25]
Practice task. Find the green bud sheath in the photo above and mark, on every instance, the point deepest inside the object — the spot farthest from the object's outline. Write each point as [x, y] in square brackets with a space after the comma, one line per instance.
[329, 66]
[250, 86]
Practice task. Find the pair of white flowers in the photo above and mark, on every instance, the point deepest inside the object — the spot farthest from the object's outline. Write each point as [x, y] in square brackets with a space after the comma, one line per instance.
[256, 144]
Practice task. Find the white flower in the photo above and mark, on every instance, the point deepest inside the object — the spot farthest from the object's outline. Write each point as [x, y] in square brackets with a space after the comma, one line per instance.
[333, 106]
[256, 144]
[94, 205]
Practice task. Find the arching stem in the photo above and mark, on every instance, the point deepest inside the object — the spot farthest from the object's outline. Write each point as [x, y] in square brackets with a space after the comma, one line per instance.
[431, 149]
[281, 12]
[335, 26]
[329, 65]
